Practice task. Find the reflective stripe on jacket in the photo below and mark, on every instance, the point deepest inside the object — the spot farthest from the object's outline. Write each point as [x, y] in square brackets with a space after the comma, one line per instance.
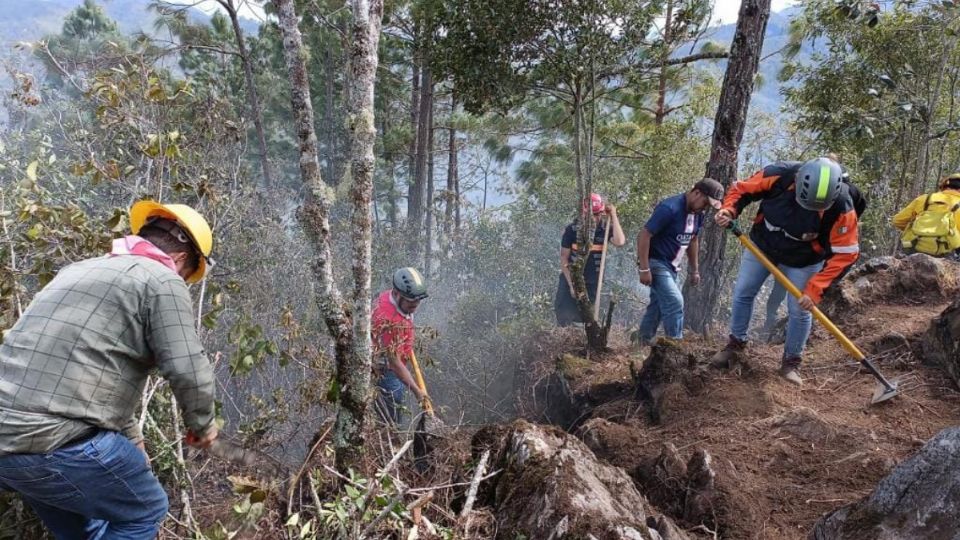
[793, 236]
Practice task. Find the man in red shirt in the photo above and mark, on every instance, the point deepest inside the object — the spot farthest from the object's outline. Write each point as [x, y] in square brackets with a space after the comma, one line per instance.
[391, 327]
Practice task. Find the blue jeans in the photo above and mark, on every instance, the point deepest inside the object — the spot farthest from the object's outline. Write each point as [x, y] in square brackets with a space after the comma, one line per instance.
[777, 295]
[98, 489]
[392, 393]
[666, 303]
[750, 280]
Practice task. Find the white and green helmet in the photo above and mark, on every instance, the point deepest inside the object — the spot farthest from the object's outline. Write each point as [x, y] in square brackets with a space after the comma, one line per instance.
[818, 184]
[410, 283]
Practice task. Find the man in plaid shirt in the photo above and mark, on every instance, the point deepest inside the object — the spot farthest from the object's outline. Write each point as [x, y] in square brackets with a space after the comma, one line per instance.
[73, 369]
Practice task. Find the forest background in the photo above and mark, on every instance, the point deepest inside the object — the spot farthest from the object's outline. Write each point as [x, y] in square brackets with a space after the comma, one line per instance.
[481, 149]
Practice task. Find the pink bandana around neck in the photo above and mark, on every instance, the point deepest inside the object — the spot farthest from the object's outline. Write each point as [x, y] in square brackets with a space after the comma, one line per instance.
[134, 245]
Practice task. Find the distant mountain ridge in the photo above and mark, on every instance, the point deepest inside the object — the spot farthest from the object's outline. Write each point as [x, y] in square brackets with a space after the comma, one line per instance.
[766, 97]
[30, 20]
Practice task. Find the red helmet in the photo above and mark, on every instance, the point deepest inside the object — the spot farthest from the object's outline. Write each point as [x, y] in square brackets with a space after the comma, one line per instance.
[596, 203]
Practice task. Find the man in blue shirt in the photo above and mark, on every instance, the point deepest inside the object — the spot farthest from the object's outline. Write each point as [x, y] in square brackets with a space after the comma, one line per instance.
[669, 234]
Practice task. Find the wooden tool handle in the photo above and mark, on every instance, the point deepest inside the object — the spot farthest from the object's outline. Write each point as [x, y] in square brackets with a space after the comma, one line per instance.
[427, 405]
[787, 284]
[603, 262]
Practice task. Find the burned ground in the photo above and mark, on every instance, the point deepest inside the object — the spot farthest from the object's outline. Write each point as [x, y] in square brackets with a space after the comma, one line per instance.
[782, 456]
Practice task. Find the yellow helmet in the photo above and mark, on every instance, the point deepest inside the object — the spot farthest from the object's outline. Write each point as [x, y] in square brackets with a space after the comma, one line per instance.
[187, 218]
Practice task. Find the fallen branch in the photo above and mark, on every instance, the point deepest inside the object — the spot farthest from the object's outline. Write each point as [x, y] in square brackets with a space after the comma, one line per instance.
[472, 492]
[383, 513]
[456, 484]
[383, 472]
[415, 506]
[705, 529]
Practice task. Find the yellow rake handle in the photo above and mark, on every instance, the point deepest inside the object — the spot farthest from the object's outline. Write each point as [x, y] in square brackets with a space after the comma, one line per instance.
[787, 284]
[427, 405]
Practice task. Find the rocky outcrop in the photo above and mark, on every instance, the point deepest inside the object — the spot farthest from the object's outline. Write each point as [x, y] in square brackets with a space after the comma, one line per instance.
[685, 490]
[551, 486]
[888, 279]
[919, 499]
[941, 344]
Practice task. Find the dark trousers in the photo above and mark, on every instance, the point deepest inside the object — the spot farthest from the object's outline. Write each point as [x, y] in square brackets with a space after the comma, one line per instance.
[564, 305]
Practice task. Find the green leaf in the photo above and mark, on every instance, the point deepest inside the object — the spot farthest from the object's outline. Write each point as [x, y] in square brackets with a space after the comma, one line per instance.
[34, 232]
[333, 392]
[32, 170]
[293, 520]
[209, 320]
[888, 81]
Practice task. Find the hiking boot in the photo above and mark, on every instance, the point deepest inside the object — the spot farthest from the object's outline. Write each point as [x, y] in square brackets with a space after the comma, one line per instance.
[730, 355]
[788, 370]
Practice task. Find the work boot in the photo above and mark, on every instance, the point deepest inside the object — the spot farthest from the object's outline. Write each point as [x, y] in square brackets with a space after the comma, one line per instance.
[788, 370]
[730, 355]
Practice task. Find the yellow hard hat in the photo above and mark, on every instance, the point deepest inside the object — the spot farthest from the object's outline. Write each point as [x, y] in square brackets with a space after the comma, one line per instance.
[187, 218]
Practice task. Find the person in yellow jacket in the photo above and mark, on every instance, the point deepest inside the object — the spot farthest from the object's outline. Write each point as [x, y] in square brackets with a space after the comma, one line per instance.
[931, 223]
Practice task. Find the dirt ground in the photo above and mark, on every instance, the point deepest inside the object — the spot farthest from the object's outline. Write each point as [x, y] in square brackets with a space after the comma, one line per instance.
[783, 455]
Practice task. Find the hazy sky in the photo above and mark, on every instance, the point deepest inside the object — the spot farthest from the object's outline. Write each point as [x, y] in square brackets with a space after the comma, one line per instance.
[725, 11]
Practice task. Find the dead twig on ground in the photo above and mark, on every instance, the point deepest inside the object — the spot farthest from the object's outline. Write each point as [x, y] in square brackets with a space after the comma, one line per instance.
[472, 492]
[707, 530]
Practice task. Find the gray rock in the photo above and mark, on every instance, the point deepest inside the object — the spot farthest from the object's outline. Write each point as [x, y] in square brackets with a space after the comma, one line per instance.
[877, 264]
[551, 486]
[886, 279]
[920, 499]
[941, 343]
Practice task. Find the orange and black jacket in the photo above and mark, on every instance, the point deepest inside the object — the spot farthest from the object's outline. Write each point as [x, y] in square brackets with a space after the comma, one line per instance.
[792, 235]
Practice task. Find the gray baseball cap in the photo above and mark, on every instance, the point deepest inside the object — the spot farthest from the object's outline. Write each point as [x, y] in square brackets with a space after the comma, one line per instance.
[712, 189]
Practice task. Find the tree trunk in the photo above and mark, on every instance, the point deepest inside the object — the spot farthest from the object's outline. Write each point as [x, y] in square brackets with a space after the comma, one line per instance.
[932, 103]
[415, 217]
[448, 195]
[314, 214]
[328, 122]
[456, 208]
[595, 341]
[701, 302]
[413, 201]
[252, 97]
[661, 112]
[353, 372]
[950, 119]
[393, 210]
[428, 225]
